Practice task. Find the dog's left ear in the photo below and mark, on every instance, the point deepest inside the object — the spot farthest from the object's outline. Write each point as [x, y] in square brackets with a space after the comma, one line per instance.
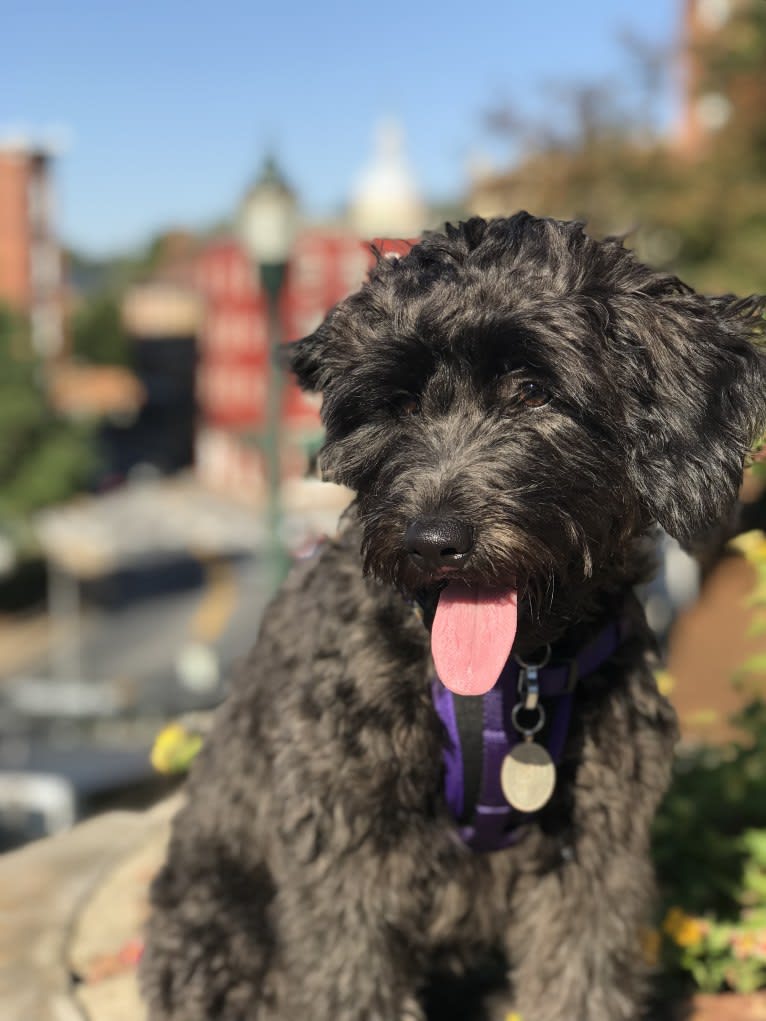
[700, 408]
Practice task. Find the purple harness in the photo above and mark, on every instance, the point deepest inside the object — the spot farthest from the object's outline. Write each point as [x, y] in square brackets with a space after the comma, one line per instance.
[481, 733]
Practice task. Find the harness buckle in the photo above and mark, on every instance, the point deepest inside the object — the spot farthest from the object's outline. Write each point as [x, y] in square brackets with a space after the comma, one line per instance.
[527, 732]
[529, 682]
[529, 687]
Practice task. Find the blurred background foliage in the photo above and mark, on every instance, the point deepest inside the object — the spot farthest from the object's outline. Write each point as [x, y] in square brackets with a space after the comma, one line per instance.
[97, 333]
[697, 208]
[44, 458]
[718, 794]
[98, 336]
[710, 854]
[710, 834]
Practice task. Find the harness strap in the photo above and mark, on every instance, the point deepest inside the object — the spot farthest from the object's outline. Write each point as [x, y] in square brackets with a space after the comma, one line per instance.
[471, 723]
[480, 734]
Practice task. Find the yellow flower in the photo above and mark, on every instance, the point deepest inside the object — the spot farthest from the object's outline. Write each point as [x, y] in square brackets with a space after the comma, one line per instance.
[513, 1016]
[752, 545]
[174, 748]
[749, 944]
[650, 941]
[665, 682]
[683, 929]
[744, 945]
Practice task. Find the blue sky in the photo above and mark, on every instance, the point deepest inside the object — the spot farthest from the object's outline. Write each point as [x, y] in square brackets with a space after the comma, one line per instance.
[166, 107]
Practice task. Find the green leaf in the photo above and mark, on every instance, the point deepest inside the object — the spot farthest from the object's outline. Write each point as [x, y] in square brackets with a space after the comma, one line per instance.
[756, 626]
[755, 664]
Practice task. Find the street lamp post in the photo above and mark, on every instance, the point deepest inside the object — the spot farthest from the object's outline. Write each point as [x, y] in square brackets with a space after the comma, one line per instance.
[268, 222]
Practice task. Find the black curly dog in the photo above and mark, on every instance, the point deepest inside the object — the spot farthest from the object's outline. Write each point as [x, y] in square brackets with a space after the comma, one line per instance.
[515, 405]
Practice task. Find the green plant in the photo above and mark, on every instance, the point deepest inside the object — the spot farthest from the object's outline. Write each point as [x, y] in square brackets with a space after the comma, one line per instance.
[710, 838]
[98, 336]
[43, 459]
[717, 954]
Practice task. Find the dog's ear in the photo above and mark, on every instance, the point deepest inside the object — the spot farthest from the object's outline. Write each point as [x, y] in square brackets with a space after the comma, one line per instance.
[701, 407]
[305, 358]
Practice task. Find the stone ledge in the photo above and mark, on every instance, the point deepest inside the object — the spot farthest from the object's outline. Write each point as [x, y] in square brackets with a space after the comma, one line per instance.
[70, 903]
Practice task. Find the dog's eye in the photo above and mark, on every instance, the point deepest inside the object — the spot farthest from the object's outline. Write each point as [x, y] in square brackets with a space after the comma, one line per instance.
[532, 395]
[409, 406]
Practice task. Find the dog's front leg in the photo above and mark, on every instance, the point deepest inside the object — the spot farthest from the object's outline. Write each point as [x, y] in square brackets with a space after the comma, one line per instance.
[224, 945]
[578, 915]
[574, 944]
[210, 944]
[340, 959]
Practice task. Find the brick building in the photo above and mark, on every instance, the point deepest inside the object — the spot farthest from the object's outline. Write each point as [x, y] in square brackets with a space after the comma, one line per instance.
[325, 266]
[30, 257]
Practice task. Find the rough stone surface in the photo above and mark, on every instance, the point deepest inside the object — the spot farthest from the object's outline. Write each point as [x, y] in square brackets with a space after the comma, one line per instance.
[72, 904]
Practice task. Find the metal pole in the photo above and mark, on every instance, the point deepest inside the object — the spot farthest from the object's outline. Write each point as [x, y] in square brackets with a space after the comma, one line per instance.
[64, 610]
[272, 277]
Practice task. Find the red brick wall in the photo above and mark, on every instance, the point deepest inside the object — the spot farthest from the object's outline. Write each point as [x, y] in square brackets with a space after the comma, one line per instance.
[325, 267]
[14, 229]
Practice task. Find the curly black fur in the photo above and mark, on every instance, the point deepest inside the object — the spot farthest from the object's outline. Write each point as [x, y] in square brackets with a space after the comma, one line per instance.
[315, 871]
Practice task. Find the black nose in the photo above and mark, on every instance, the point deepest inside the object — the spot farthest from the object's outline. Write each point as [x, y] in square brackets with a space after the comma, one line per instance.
[438, 542]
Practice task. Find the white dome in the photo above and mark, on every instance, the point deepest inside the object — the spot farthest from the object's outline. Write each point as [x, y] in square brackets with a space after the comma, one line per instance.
[385, 202]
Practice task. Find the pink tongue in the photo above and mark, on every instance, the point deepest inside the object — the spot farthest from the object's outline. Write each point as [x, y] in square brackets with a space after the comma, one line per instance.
[472, 636]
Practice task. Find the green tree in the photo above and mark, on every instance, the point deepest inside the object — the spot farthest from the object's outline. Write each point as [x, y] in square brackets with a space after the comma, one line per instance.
[43, 459]
[730, 170]
[700, 213]
[98, 336]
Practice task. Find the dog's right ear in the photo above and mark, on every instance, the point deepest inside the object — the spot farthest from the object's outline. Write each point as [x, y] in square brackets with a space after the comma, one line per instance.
[703, 407]
[305, 358]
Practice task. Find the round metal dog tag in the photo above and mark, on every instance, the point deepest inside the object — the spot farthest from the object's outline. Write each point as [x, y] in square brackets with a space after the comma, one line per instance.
[528, 777]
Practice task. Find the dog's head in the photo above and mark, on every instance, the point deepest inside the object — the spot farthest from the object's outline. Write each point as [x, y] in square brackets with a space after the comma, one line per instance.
[515, 402]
